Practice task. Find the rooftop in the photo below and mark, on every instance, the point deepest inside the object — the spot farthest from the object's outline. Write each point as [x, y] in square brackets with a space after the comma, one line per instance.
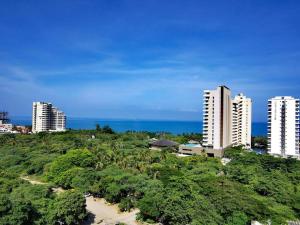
[164, 143]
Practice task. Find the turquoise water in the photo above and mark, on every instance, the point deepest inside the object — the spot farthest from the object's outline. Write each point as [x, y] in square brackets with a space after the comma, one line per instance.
[175, 127]
[191, 145]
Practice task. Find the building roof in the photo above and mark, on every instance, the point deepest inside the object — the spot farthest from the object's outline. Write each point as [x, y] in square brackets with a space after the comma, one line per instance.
[164, 143]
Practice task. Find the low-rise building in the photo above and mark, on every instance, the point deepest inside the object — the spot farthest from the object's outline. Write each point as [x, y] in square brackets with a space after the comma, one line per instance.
[190, 149]
[197, 149]
[22, 129]
[5, 126]
[163, 144]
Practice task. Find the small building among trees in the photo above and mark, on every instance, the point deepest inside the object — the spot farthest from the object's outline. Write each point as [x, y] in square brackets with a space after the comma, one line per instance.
[163, 144]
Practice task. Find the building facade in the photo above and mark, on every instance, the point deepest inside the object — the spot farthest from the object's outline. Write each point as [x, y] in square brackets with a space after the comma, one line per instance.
[283, 126]
[58, 120]
[241, 121]
[217, 118]
[45, 118]
[5, 125]
[226, 121]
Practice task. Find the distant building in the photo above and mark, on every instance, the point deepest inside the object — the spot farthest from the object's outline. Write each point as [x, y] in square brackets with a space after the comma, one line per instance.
[4, 119]
[226, 121]
[241, 120]
[58, 120]
[190, 149]
[283, 126]
[45, 118]
[22, 129]
[163, 144]
[217, 118]
[5, 125]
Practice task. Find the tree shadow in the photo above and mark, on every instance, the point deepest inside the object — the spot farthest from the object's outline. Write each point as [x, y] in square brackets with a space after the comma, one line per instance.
[90, 219]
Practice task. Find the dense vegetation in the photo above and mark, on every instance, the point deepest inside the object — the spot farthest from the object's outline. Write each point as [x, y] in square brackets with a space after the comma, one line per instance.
[259, 142]
[120, 168]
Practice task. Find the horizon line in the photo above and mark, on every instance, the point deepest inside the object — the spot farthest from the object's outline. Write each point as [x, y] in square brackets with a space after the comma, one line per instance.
[126, 119]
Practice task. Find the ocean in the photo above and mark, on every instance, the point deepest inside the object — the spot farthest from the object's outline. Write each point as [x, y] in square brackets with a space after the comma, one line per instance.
[175, 127]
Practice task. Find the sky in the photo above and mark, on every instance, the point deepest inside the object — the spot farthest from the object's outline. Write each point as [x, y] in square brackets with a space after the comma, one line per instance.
[133, 59]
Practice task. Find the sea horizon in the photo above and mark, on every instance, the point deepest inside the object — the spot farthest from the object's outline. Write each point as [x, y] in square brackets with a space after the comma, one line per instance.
[150, 125]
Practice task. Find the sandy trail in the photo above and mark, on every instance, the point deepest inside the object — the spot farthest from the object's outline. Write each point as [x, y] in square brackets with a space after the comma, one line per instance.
[107, 214]
[55, 190]
[32, 181]
[102, 213]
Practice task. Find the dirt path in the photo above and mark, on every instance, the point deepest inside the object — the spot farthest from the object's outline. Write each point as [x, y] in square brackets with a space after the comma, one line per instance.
[104, 213]
[32, 181]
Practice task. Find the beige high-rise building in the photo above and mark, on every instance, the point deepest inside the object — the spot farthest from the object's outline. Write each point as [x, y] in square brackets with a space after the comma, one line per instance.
[217, 116]
[45, 118]
[241, 120]
[226, 122]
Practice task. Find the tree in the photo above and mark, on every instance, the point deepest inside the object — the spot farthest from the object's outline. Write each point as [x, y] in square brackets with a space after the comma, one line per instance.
[194, 190]
[17, 212]
[150, 204]
[260, 142]
[98, 128]
[107, 130]
[68, 208]
[238, 218]
[74, 158]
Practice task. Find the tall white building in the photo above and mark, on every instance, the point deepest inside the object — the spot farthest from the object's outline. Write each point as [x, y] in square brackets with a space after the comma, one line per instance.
[283, 126]
[45, 117]
[241, 120]
[217, 116]
[226, 121]
[58, 120]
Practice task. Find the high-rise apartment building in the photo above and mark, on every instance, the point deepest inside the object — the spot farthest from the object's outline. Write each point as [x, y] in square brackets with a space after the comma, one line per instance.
[217, 116]
[283, 126]
[226, 121]
[241, 120]
[45, 117]
[58, 119]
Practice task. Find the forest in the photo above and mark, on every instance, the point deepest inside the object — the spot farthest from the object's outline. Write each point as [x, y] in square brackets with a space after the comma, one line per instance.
[120, 167]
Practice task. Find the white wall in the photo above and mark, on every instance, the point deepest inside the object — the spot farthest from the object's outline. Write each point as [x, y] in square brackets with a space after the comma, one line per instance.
[282, 139]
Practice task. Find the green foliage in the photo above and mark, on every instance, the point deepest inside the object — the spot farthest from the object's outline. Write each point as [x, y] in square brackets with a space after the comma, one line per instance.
[260, 142]
[15, 211]
[120, 168]
[237, 218]
[98, 128]
[73, 158]
[106, 129]
[68, 208]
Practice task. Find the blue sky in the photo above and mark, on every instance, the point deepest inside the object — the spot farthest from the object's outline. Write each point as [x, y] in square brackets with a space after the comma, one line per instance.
[146, 59]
